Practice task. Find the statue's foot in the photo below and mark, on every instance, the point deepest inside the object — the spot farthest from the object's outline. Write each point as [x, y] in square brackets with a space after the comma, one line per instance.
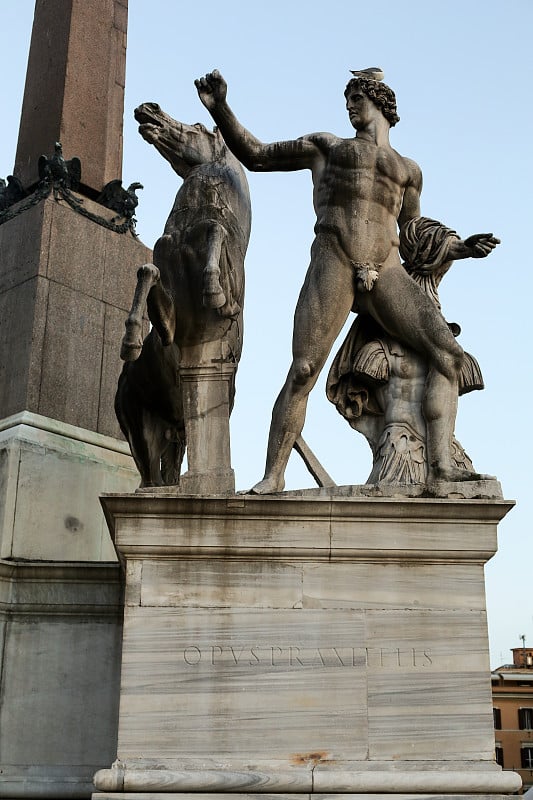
[130, 351]
[456, 475]
[268, 486]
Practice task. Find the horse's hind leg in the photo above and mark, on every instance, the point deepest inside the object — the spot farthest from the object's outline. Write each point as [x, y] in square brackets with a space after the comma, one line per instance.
[132, 342]
[213, 294]
[144, 432]
[172, 456]
[153, 444]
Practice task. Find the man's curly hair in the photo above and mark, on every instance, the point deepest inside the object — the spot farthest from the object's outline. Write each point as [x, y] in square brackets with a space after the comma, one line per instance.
[381, 95]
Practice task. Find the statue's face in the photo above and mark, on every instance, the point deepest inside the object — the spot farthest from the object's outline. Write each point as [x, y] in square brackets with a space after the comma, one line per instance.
[361, 109]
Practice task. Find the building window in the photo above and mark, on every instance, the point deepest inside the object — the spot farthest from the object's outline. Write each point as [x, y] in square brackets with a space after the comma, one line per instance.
[526, 753]
[499, 754]
[497, 714]
[525, 719]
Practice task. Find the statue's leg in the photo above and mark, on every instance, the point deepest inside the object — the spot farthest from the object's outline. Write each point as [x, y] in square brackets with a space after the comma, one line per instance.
[323, 307]
[172, 456]
[132, 342]
[140, 428]
[147, 449]
[213, 294]
[409, 315]
[162, 313]
[440, 410]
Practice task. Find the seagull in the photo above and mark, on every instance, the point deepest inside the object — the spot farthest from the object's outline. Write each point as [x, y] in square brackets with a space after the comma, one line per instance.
[375, 73]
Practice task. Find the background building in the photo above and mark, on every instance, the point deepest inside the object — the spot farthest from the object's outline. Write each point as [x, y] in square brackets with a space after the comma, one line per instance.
[512, 698]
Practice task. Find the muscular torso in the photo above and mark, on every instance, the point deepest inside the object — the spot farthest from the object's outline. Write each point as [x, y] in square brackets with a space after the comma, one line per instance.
[358, 192]
[403, 394]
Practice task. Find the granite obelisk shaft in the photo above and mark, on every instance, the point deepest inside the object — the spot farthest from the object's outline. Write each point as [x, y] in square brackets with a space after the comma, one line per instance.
[66, 281]
[74, 93]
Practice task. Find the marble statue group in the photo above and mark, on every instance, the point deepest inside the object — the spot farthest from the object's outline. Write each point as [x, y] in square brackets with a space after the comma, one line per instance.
[194, 291]
[399, 373]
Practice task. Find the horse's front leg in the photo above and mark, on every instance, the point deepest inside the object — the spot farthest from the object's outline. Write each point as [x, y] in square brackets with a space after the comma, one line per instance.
[147, 276]
[162, 313]
[213, 294]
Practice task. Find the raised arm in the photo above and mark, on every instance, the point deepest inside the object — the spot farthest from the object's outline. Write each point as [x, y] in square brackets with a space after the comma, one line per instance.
[256, 156]
[477, 246]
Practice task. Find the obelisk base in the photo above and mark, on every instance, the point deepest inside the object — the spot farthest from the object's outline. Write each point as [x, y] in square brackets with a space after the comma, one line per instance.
[293, 645]
[60, 606]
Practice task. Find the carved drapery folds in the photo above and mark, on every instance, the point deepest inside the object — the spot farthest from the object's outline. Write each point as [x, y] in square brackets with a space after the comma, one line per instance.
[377, 384]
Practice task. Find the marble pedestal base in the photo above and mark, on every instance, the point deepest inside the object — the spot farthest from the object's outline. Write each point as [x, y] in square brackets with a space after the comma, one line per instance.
[304, 645]
[60, 606]
[206, 377]
[51, 476]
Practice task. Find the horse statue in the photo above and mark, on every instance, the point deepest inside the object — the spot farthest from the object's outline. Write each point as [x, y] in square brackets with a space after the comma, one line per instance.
[194, 293]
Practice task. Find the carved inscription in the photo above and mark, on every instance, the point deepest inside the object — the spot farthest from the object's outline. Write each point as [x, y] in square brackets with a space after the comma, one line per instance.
[294, 656]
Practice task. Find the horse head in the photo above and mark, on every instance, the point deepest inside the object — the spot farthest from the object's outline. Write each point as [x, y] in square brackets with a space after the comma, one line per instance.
[183, 146]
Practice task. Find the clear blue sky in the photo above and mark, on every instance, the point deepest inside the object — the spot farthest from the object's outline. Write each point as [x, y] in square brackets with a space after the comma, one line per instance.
[462, 74]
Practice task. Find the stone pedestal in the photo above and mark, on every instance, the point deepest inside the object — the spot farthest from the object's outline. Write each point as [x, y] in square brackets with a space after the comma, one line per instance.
[60, 606]
[51, 476]
[295, 645]
[66, 286]
[60, 641]
[206, 376]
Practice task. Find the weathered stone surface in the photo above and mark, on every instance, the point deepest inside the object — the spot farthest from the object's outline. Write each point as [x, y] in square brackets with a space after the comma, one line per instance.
[304, 644]
[60, 655]
[489, 489]
[56, 357]
[354, 587]
[21, 342]
[51, 476]
[68, 392]
[217, 584]
[122, 257]
[321, 527]
[154, 795]
[80, 267]
[24, 242]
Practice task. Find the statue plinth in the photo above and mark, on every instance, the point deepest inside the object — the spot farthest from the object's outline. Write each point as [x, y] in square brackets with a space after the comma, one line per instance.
[206, 377]
[295, 644]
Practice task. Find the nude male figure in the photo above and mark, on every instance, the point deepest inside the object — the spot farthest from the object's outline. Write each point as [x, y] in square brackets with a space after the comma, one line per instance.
[363, 190]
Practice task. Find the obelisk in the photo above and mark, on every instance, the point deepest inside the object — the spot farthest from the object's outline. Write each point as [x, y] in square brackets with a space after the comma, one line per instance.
[74, 93]
[66, 280]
